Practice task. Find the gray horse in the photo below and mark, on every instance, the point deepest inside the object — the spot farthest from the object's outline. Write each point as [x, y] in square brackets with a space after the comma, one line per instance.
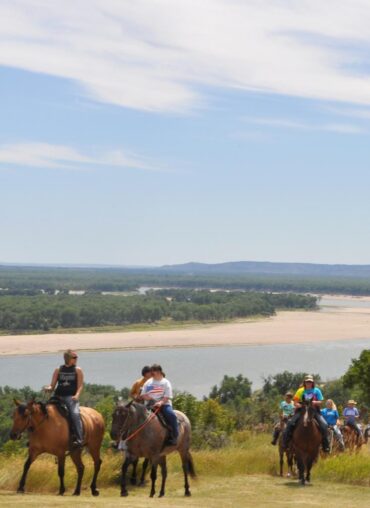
[146, 437]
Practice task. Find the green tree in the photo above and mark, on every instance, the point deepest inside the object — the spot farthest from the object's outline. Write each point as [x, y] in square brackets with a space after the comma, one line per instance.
[232, 389]
[358, 375]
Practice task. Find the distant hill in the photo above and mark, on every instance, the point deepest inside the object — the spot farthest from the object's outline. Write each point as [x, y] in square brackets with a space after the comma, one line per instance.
[268, 268]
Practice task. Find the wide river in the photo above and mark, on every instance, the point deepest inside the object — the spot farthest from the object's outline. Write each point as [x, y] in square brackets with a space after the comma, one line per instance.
[195, 370]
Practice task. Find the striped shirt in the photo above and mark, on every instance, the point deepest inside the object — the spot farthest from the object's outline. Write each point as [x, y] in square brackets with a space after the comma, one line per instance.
[158, 389]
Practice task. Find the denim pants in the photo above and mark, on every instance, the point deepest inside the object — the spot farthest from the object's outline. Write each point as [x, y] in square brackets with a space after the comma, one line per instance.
[171, 419]
[74, 411]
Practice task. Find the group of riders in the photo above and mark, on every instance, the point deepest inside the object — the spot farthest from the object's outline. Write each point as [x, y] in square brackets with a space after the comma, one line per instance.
[153, 389]
[328, 417]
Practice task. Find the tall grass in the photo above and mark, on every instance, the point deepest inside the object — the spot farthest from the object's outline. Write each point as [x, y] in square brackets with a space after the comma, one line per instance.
[248, 454]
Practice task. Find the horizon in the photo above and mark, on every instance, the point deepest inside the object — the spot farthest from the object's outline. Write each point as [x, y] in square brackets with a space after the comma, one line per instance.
[158, 132]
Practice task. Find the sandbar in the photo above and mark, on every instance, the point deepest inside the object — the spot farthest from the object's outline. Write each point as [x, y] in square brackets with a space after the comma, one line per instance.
[295, 327]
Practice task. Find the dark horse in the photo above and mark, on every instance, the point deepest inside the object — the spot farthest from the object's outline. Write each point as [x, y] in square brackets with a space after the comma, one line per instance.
[48, 432]
[306, 441]
[289, 452]
[146, 437]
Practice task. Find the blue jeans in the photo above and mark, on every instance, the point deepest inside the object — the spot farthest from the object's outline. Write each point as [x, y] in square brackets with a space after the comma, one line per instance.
[171, 419]
[74, 411]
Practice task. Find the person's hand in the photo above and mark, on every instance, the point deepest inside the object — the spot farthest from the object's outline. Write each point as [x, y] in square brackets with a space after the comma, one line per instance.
[75, 397]
[48, 388]
[158, 404]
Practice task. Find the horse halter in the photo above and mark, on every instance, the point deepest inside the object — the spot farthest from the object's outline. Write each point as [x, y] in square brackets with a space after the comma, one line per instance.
[28, 426]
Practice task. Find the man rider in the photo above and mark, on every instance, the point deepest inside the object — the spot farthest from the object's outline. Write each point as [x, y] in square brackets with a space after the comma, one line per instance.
[159, 390]
[308, 391]
[68, 380]
[136, 388]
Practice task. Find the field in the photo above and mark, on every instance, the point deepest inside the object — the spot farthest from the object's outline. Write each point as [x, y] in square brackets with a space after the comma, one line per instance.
[243, 474]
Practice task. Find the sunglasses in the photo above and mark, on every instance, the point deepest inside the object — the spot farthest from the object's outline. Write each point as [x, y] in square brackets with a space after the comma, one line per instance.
[74, 357]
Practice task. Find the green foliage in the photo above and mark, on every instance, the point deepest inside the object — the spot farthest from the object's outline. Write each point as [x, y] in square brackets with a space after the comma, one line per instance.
[358, 375]
[49, 312]
[234, 389]
[284, 382]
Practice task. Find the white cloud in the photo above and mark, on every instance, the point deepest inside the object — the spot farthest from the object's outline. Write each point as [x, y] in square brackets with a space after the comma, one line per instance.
[286, 123]
[157, 54]
[44, 155]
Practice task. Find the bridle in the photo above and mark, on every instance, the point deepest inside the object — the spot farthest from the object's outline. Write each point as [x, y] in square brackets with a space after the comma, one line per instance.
[134, 433]
[28, 426]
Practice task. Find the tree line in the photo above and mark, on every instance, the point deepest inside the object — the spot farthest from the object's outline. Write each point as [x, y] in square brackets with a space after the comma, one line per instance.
[231, 405]
[33, 280]
[51, 312]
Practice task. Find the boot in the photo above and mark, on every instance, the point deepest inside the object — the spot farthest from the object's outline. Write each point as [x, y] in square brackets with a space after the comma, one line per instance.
[275, 436]
[325, 444]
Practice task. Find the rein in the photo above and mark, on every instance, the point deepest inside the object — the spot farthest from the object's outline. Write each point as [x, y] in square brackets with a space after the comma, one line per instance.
[140, 428]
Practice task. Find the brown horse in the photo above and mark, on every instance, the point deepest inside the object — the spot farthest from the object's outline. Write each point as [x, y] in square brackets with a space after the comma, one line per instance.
[306, 441]
[145, 437]
[289, 452]
[352, 440]
[48, 432]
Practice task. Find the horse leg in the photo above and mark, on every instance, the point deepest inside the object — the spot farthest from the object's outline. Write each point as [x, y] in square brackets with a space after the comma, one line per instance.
[153, 476]
[142, 478]
[163, 464]
[289, 457]
[281, 453]
[133, 475]
[308, 469]
[125, 465]
[301, 470]
[187, 467]
[95, 453]
[76, 457]
[61, 462]
[26, 467]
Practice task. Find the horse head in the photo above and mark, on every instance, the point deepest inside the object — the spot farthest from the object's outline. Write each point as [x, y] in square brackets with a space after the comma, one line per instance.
[22, 417]
[121, 419]
[308, 411]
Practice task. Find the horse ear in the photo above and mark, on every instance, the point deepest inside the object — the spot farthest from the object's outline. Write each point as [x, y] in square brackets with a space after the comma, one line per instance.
[16, 402]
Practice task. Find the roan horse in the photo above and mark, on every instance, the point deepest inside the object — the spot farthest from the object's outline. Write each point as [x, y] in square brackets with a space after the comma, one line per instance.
[352, 440]
[145, 437]
[306, 441]
[48, 432]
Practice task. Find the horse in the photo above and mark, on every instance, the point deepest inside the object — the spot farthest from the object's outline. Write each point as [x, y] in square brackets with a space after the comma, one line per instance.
[289, 452]
[145, 436]
[48, 432]
[352, 440]
[306, 441]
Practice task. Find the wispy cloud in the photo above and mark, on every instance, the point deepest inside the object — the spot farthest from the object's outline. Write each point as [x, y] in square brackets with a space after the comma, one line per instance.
[155, 54]
[285, 123]
[45, 155]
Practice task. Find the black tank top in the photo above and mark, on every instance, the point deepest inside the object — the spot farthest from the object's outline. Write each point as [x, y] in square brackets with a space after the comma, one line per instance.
[67, 381]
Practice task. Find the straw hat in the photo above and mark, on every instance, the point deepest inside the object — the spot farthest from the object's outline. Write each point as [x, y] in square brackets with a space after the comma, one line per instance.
[351, 402]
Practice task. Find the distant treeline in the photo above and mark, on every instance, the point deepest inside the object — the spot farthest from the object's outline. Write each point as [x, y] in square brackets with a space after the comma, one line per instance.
[33, 280]
[48, 312]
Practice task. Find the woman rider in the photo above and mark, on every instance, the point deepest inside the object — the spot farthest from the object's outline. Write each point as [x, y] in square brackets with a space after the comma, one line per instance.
[68, 379]
[331, 416]
[159, 390]
[307, 391]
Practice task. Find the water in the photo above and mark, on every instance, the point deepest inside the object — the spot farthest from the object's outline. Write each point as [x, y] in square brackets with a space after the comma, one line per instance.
[195, 370]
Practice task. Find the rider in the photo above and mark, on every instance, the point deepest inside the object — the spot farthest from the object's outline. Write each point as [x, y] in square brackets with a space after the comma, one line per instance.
[286, 411]
[331, 416]
[136, 388]
[159, 390]
[350, 415]
[68, 379]
[307, 391]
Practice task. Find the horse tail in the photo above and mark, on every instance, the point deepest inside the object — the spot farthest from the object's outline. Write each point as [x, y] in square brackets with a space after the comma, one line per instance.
[190, 466]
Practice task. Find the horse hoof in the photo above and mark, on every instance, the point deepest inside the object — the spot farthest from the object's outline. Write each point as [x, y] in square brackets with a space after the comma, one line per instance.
[61, 493]
[76, 493]
[124, 494]
[161, 495]
[20, 491]
[95, 492]
[188, 494]
[151, 494]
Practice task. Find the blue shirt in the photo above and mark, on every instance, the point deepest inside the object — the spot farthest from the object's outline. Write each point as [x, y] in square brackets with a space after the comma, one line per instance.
[287, 408]
[330, 415]
[350, 414]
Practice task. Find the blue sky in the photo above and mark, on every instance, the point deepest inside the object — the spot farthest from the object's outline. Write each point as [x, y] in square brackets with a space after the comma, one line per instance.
[166, 131]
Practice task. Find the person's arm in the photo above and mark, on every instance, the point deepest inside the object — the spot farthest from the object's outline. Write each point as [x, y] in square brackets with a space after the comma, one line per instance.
[167, 396]
[54, 380]
[144, 395]
[134, 391]
[80, 383]
[319, 398]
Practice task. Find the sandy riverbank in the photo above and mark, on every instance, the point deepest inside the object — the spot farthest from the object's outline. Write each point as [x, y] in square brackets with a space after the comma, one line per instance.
[286, 327]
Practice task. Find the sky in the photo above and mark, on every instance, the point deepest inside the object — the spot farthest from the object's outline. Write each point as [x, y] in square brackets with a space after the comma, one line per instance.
[166, 131]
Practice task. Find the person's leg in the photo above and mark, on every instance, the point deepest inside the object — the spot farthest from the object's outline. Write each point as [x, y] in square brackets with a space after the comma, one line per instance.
[171, 419]
[275, 434]
[288, 432]
[323, 426]
[74, 411]
[338, 436]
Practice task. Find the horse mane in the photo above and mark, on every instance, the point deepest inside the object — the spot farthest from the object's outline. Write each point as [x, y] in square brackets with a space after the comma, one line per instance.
[22, 409]
[43, 407]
